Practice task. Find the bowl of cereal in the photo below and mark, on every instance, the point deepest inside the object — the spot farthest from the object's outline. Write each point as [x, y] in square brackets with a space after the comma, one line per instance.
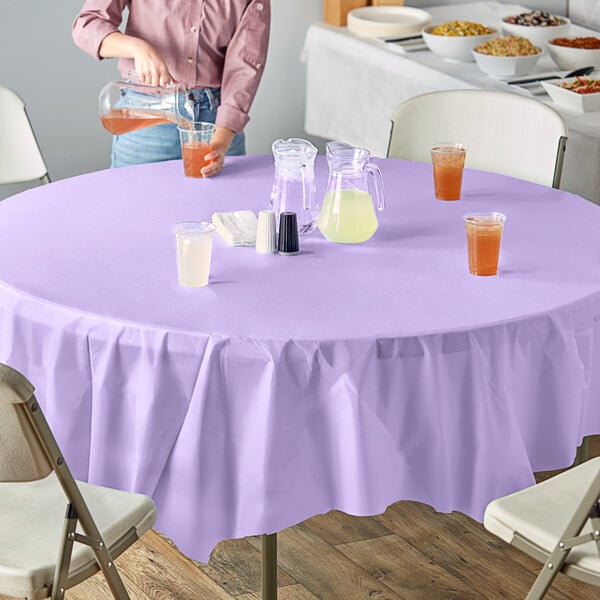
[454, 40]
[580, 94]
[575, 52]
[538, 26]
[507, 56]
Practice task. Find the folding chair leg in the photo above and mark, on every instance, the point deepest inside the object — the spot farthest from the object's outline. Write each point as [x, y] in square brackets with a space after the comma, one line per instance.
[101, 553]
[113, 579]
[595, 519]
[542, 583]
[583, 452]
[63, 562]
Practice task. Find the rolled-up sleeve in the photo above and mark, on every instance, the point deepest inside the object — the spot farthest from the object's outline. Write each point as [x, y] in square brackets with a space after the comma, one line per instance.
[244, 65]
[96, 20]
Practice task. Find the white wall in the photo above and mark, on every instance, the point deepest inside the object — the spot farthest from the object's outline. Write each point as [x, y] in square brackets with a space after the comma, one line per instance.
[278, 110]
[586, 12]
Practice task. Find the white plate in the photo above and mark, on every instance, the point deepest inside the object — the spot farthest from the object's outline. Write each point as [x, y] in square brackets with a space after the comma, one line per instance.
[386, 21]
[570, 99]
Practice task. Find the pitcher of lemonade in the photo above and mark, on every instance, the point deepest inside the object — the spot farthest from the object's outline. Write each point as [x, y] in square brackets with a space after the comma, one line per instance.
[127, 106]
[294, 182]
[348, 214]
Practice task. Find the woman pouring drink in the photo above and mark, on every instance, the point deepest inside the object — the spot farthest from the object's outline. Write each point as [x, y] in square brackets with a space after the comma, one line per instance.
[215, 48]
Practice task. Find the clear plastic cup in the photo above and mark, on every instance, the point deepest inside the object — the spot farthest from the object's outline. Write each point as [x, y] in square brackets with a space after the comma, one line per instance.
[484, 234]
[194, 248]
[448, 160]
[196, 143]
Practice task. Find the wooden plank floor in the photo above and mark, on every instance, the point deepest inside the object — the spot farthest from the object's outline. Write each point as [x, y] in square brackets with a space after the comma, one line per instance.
[408, 553]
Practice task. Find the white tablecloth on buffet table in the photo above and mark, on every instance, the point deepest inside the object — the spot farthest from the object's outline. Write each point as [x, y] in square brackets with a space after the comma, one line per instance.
[354, 84]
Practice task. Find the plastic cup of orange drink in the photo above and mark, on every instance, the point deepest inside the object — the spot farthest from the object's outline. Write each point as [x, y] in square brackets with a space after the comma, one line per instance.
[448, 160]
[196, 143]
[484, 233]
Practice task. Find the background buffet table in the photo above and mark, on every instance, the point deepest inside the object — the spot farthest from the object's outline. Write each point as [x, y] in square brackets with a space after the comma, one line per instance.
[354, 84]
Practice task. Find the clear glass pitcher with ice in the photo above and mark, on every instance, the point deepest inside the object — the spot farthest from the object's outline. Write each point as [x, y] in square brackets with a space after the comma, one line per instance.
[348, 215]
[294, 182]
[127, 106]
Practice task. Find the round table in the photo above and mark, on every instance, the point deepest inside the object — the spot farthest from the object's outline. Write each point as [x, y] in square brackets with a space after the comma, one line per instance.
[347, 377]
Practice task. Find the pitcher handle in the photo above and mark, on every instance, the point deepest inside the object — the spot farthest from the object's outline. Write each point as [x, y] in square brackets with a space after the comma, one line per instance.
[306, 195]
[374, 170]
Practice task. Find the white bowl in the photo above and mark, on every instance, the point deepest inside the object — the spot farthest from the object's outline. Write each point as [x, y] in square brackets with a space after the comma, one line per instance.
[454, 47]
[537, 34]
[569, 99]
[386, 21]
[506, 66]
[573, 58]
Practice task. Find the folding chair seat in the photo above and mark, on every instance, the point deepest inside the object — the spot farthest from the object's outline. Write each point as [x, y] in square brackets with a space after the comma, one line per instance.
[556, 522]
[55, 531]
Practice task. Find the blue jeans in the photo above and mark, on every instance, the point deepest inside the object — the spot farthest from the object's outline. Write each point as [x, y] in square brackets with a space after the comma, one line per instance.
[161, 142]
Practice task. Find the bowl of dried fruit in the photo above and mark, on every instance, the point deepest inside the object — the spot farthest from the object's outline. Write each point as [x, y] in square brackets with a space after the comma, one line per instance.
[538, 26]
[455, 39]
[575, 52]
[507, 56]
[581, 94]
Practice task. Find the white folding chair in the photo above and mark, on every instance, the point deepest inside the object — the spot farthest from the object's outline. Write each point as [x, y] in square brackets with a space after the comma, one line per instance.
[504, 132]
[20, 156]
[49, 540]
[556, 522]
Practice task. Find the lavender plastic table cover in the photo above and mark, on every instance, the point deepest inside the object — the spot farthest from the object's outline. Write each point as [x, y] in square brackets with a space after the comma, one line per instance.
[347, 377]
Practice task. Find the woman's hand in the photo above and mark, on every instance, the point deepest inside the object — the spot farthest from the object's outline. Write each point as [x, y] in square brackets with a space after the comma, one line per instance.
[149, 65]
[221, 141]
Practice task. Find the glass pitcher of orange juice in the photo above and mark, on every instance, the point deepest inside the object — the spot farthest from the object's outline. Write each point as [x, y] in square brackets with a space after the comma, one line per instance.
[127, 106]
[348, 214]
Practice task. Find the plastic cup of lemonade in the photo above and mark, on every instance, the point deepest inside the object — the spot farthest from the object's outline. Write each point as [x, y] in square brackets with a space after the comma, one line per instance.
[484, 233]
[448, 160]
[194, 248]
[196, 143]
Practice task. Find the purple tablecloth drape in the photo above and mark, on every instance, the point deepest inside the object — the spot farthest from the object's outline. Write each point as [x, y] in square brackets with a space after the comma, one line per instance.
[347, 377]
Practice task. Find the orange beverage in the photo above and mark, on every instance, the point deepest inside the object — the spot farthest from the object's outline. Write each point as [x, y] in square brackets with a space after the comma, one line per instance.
[193, 154]
[448, 163]
[484, 233]
[124, 120]
[196, 143]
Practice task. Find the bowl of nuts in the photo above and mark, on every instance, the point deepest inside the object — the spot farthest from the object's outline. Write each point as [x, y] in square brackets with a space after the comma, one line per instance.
[575, 52]
[538, 26]
[507, 56]
[455, 39]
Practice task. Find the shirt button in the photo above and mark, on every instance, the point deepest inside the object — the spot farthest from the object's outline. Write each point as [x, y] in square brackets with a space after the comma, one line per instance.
[193, 29]
[259, 66]
[259, 6]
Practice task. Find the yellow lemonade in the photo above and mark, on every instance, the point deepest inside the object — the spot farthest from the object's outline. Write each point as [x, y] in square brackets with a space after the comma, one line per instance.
[347, 216]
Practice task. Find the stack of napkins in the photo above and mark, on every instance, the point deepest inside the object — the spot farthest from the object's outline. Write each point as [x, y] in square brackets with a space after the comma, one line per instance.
[236, 228]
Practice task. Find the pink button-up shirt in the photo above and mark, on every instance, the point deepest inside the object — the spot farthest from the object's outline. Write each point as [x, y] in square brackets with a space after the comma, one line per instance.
[205, 43]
